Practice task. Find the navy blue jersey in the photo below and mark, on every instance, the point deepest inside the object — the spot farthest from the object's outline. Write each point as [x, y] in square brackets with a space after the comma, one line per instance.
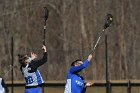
[75, 82]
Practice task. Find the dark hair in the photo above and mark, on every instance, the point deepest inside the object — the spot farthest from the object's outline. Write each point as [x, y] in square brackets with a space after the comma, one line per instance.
[73, 63]
[22, 58]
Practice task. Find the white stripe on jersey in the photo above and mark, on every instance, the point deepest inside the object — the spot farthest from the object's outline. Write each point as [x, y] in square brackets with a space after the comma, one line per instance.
[68, 86]
[1, 88]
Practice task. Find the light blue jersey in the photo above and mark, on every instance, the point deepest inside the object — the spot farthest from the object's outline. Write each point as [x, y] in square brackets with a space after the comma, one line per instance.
[32, 79]
[75, 82]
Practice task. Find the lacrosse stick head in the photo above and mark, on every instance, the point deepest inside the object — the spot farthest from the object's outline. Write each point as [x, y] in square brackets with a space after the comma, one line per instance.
[46, 13]
[109, 20]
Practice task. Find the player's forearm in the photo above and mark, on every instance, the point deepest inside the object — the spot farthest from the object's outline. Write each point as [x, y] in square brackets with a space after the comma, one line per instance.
[43, 60]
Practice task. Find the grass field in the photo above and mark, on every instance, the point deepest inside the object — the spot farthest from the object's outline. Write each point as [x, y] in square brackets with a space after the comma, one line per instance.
[58, 87]
[89, 90]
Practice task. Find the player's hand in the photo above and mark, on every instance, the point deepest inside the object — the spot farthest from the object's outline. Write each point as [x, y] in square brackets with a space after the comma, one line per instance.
[88, 84]
[44, 48]
[33, 55]
[89, 57]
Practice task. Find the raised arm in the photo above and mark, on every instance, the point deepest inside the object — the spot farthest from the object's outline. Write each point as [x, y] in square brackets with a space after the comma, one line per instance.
[82, 66]
[41, 61]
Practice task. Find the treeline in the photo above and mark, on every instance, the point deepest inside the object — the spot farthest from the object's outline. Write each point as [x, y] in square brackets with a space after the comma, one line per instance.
[73, 27]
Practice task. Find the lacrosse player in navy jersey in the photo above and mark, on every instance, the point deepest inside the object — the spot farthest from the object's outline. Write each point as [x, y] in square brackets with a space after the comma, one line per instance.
[29, 69]
[75, 82]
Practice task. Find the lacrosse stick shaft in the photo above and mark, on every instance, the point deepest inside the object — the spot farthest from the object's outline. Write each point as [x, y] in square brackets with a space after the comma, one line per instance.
[12, 54]
[10, 69]
[44, 36]
[97, 41]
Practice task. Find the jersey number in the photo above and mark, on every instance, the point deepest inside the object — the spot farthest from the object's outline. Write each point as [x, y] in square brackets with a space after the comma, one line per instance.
[29, 80]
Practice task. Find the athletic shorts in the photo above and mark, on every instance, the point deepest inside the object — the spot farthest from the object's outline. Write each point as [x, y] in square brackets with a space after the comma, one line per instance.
[33, 90]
